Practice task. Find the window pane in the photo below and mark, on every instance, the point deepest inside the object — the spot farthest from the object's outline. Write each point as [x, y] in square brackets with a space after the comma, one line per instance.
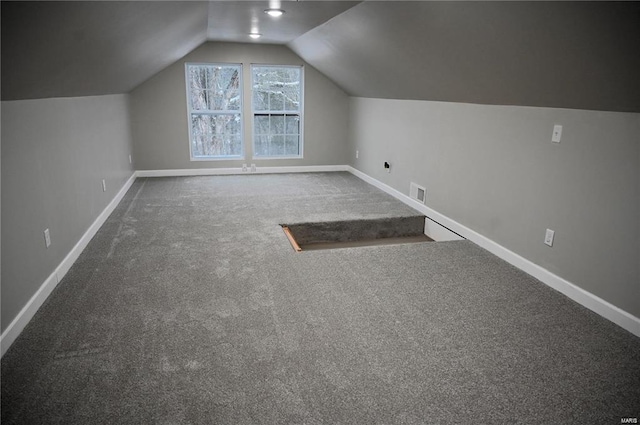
[198, 101]
[232, 124]
[292, 145]
[261, 145]
[276, 146]
[261, 124]
[276, 101]
[292, 99]
[277, 124]
[200, 130]
[277, 90]
[260, 99]
[293, 124]
[203, 126]
[208, 76]
[236, 147]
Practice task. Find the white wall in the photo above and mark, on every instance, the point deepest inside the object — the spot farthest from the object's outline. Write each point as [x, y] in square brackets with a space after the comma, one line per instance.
[55, 153]
[159, 112]
[494, 170]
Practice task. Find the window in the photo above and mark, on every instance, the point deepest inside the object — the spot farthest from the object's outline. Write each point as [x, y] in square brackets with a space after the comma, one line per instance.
[277, 111]
[214, 103]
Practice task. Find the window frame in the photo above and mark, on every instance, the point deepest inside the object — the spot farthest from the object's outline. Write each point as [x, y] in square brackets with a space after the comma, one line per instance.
[240, 111]
[299, 113]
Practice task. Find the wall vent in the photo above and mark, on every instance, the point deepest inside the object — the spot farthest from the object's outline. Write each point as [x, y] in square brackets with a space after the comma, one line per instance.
[417, 192]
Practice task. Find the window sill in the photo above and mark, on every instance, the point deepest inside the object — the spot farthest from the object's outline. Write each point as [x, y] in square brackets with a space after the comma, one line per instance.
[217, 158]
[258, 158]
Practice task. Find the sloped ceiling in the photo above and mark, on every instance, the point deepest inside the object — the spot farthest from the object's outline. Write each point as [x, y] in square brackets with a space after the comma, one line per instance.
[579, 55]
[79, 48]
[83, 48]
[556, 54]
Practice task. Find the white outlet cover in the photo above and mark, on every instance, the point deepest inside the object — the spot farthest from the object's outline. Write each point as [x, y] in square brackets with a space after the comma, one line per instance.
[557, 133]
[548, 237]
[47, 238]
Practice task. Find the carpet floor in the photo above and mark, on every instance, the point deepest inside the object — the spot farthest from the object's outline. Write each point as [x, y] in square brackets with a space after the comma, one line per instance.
[189, 306]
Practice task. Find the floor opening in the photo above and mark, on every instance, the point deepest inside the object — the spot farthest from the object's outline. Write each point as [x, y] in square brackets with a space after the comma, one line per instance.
[356, 233]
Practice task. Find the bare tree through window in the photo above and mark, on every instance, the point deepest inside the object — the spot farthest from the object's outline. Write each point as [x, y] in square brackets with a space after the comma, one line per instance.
[215, 110]
[277, 110]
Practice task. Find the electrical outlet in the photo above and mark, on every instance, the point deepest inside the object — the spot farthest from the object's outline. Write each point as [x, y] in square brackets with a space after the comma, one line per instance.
[244, 168]
[548, 237]
[557, 133]
[357, 154]
[47, 238]
[253, 168]
[104, 185]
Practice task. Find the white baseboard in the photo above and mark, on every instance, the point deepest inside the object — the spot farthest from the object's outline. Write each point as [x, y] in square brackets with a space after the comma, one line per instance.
[594, 303]
[230, 171]
[29, 310]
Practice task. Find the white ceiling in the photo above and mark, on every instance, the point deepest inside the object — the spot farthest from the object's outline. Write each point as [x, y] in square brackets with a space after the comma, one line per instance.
[234, 20]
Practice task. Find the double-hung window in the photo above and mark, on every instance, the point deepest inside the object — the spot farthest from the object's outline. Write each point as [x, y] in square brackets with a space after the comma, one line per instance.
[277, 111]
[214, 102]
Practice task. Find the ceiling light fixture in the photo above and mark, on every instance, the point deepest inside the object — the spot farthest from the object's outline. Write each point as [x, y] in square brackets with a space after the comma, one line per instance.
[255, 35]
[274, 12]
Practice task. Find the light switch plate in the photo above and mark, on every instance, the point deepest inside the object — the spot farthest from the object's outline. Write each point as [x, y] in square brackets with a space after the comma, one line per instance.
[557, 133]
[47, 238]
[548, 237]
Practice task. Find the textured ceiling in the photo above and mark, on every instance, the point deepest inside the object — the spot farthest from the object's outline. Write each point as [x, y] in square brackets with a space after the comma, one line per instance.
[581, 55]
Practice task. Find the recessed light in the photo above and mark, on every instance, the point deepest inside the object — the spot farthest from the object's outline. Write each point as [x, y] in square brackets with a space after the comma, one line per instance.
[274, 12]
[255, 35]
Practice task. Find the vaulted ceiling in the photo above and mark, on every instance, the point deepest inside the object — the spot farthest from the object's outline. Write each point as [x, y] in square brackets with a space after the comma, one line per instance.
[82, 48]
[558, 54]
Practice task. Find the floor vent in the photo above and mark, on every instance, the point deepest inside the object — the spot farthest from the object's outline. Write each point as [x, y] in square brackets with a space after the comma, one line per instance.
[417, 192]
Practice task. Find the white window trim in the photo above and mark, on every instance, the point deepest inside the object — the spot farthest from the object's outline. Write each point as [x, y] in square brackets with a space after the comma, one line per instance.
[240, 111]
[300, 113]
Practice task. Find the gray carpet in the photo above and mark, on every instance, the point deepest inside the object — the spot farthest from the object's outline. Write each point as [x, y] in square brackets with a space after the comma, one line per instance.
[190, 307]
